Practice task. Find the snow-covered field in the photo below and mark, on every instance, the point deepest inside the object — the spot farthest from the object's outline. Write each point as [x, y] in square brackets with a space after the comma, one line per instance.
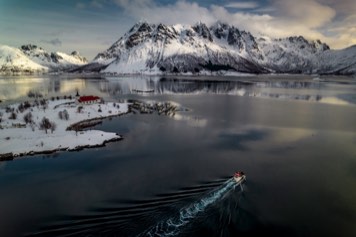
[30, 139]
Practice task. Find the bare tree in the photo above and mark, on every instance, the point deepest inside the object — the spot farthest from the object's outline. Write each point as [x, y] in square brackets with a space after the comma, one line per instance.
[8, 109]
[44, 104]
[21, 108]
[53, 126]
[27, 105]
[60, 114]
[28, 117]
[13, 116]
[65, 114]
[76, 129]
[79, 109]
[36, 103]
[45, 124]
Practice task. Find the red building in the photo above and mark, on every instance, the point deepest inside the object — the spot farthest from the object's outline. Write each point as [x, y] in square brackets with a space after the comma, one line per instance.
[90, 99]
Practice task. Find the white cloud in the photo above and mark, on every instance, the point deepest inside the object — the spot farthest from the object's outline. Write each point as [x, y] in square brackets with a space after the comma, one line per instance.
[307, 12]
[242, 5]
[180, 12]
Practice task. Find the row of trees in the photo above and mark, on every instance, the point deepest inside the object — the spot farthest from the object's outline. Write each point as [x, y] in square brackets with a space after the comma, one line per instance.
[69, 97]
[22, 107]
[45, 123]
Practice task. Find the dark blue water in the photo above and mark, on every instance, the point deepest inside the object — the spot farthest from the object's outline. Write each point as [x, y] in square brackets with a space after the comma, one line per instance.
[295, 138]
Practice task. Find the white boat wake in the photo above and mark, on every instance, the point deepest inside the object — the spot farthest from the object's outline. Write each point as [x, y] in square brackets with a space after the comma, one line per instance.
[172, 226]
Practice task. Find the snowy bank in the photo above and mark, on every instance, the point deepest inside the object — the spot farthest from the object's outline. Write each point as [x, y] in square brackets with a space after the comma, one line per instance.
[18, 138]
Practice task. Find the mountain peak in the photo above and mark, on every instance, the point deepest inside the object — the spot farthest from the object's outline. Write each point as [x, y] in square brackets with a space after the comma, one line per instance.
[29, 47]
[141, 26]
[203, 31]
[74, 53]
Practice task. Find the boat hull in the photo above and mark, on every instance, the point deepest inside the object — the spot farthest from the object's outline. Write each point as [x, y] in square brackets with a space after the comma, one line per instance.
[239, 179]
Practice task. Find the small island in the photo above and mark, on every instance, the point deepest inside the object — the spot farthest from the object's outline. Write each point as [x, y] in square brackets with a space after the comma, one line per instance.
[44, 126]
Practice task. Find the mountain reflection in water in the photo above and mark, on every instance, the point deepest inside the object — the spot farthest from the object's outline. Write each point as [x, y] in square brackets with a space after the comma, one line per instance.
[286, 88]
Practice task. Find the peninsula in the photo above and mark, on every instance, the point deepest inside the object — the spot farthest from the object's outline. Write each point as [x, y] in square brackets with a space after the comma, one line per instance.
[44, 126]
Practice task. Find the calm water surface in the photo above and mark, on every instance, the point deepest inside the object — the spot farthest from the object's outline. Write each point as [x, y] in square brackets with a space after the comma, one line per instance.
[294, 137]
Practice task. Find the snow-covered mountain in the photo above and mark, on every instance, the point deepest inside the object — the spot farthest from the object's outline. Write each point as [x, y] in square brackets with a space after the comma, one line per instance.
[54, 60]
[33, 59]
[13, 60]
[158, 48]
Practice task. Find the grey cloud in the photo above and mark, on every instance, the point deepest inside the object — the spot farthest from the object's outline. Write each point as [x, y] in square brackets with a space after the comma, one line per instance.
[56, 42]
[242, 5]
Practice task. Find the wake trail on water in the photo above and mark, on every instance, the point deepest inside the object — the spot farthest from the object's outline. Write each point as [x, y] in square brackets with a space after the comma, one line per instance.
[172, 226]
[112, 218]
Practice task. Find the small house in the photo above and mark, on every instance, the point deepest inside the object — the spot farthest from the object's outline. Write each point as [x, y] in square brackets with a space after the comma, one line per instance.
[90, 99]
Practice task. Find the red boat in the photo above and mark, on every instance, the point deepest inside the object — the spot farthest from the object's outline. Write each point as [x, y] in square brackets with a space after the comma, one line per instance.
[239, 176]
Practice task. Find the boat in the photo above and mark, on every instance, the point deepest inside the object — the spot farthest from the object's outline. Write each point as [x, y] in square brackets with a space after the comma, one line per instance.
[239, 177]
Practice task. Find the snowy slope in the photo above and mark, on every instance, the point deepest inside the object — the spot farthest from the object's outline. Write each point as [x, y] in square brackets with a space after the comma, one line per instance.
[150, 48]
[33, 59]
[338, 61]
[14, 60]
[54, 60]
[292, 54]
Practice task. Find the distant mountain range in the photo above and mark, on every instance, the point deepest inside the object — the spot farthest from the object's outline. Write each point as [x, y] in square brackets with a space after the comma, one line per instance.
[34, 59]
[198, 49]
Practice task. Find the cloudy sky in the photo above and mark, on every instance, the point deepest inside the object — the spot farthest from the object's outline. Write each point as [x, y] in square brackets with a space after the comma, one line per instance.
[91, 26]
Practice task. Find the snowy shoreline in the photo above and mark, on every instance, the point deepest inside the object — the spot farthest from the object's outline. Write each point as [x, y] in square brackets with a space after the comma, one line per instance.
[18, 138]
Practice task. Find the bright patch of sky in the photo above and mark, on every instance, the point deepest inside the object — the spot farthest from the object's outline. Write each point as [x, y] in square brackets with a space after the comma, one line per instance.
[91, 26]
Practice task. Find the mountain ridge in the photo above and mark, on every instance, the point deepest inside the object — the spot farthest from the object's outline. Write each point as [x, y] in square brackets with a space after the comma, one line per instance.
[33, 59]
[161, 49]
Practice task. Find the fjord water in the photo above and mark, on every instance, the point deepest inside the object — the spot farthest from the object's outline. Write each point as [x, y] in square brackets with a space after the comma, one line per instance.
[294, 137]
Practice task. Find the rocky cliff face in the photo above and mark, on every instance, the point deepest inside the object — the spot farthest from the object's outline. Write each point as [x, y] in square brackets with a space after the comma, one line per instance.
[158, 48]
